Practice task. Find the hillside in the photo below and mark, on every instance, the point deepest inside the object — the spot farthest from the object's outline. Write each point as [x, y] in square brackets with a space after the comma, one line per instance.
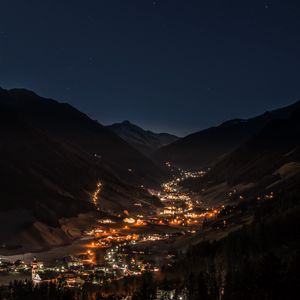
[51, 158]
[274, 151]
[68, 125]
[268, 162]
[204, 148]
[145, 141]
[251, 249]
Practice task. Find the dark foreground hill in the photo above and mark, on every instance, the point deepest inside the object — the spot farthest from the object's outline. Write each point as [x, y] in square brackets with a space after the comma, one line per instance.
[51, 158]
[204, 148]
[145, 141]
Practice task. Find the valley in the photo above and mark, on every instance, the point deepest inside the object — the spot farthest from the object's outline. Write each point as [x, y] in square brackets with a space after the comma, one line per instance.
[92, 214]
[149, 150]
[119, 246]
[146, 239]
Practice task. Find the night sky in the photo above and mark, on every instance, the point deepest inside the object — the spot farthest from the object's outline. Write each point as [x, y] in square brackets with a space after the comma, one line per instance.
[167, 65]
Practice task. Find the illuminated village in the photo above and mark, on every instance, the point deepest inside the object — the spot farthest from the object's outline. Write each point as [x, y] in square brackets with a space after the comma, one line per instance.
[128, 245]
[121, 246]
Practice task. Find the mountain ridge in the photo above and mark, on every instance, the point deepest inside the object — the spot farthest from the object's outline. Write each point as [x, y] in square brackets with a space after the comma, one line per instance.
[269, 162]
[146, 141]
[52, 156]
[204, 148]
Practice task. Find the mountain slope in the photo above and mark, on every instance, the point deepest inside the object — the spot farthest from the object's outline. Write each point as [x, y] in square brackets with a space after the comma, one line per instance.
[32, 164]
[204, 148]
[144, 140]
[267, 162]
[51, 158]
[67, 124]
[275, 146]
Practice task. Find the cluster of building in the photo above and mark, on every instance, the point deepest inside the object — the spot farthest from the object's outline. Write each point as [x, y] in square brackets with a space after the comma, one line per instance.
[19, 266]
[125, 242]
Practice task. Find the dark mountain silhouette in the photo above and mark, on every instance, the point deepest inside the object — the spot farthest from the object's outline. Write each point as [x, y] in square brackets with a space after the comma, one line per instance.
[51, 158]
[204, 148]
[145, 141]
[267, 162]
[66, 124]
[273, 152]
